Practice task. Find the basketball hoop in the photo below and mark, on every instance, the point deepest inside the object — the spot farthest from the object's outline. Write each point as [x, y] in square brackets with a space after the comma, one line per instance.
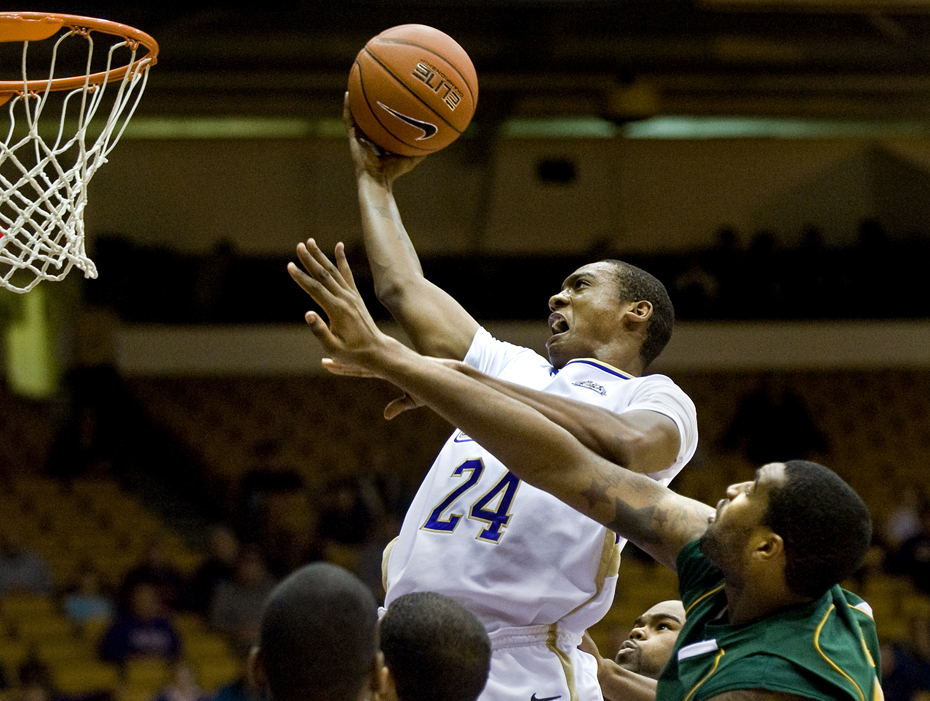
[52, 147]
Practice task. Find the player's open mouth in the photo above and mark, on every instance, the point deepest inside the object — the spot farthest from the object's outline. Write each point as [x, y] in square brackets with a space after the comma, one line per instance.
[557, 324]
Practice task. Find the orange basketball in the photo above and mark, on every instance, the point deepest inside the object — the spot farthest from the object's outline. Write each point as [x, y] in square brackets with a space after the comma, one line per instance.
[412, 90]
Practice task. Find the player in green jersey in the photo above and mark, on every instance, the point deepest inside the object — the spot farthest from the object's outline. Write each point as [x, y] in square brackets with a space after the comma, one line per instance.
[759, 575]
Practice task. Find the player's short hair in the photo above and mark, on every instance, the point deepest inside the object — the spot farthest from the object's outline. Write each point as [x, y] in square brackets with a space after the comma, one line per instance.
[635, 285]
[435, 648]
[318, 635]
[824, 524]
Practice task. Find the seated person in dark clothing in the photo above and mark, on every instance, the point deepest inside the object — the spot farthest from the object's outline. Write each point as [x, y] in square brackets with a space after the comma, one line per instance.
[155, 568]
[143, 630]
[219, 566]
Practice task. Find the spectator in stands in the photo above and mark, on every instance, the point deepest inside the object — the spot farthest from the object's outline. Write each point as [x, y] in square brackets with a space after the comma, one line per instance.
[236, 607]
[156, 569]
[183, 685]
[143, 630]
[906, 664]
[34, 682]
[912, 559]
[242, 688]
[772, 424]
[634, 672]
[904, 520]
[22, 570]
[433, 648]
[268, 476]
[318, 638]
[219, 566]
[86, 600]
[347, 518]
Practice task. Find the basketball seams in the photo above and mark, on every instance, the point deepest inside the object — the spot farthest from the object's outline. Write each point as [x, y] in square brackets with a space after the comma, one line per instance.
[453, 66]
[374, 113]
[407, 88]
[405, 81]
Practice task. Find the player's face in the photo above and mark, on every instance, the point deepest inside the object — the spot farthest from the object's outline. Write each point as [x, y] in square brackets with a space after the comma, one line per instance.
[587, 315]
[739, 515]
[652, 639]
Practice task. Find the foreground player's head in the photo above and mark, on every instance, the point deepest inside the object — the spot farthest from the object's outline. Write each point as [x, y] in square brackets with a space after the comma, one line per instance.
[649, 647]
[798, 516]
[434, 648]
[318, 638]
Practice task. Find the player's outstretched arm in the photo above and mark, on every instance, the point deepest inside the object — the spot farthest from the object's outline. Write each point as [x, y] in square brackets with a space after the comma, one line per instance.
[435, 322]
[533, 447]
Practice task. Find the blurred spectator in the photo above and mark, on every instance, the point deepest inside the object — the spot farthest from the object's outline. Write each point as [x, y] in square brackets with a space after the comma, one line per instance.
[904, 521]
[772, 424]
[912, 559]
[906, 665]
[34, 682]
[219, 566]
[268, 476]
[143, 630]
[695, 289]
[86, 600]
[22, 570]
[243, 688]
[237, 605]
[347, 518]
[156, 569]
[183, 685]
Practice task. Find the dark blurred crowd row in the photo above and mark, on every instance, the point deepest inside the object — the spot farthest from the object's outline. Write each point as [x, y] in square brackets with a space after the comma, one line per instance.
[741, 276]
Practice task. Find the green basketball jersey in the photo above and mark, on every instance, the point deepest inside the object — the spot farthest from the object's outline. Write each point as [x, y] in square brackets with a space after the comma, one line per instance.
[826, 649]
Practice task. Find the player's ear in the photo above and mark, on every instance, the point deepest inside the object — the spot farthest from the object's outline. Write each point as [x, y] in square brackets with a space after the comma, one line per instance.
[639, 311]
[255, 666]
[381, 682]
[769, 546]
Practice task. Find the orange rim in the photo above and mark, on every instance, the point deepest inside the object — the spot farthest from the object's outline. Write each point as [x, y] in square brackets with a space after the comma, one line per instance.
[36, 26]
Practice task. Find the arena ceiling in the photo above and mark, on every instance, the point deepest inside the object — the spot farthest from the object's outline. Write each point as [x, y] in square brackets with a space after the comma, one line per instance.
[623, 60]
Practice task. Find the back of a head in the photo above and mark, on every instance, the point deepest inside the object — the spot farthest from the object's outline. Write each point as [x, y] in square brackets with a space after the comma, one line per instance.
[435, 648]
[318, 635]
[824, 524]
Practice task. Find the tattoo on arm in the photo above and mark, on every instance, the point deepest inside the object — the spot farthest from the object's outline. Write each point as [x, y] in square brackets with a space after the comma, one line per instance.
[650, 516]
[385, 212]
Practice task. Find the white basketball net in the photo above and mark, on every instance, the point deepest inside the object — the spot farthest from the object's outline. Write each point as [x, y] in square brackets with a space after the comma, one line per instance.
[48, 157]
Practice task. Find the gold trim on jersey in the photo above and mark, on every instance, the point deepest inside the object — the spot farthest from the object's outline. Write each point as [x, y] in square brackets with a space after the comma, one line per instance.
[702, 597]
[385, 556]
[829, 661]
[608, 567]
[706, 676]
[567, 667]
[601, 363]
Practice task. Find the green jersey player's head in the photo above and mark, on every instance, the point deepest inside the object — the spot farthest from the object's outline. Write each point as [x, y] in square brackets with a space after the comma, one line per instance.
[798, 528]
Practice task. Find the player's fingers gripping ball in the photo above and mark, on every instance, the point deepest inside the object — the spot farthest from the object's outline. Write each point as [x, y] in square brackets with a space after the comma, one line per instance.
[412, 90]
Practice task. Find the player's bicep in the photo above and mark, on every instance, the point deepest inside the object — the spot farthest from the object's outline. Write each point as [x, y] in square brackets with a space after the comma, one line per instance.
[645, 441]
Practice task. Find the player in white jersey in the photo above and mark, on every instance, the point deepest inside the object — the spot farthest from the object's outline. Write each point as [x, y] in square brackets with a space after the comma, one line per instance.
[536, 572]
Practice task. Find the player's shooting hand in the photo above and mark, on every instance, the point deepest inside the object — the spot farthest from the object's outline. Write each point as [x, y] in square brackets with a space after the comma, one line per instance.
[372, 159]
[351, 337]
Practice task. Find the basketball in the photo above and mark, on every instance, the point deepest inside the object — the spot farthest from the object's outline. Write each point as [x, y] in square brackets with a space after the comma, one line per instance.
[412, 90]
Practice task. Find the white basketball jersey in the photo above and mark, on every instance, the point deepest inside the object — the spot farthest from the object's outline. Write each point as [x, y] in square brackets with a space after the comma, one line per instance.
[513, 554]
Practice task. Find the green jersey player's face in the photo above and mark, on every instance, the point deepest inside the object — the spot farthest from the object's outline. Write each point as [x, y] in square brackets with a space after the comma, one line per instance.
[739, 524]
[587, 316]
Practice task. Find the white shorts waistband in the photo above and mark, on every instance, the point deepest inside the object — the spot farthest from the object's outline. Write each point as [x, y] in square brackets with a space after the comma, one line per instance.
[545, 634]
